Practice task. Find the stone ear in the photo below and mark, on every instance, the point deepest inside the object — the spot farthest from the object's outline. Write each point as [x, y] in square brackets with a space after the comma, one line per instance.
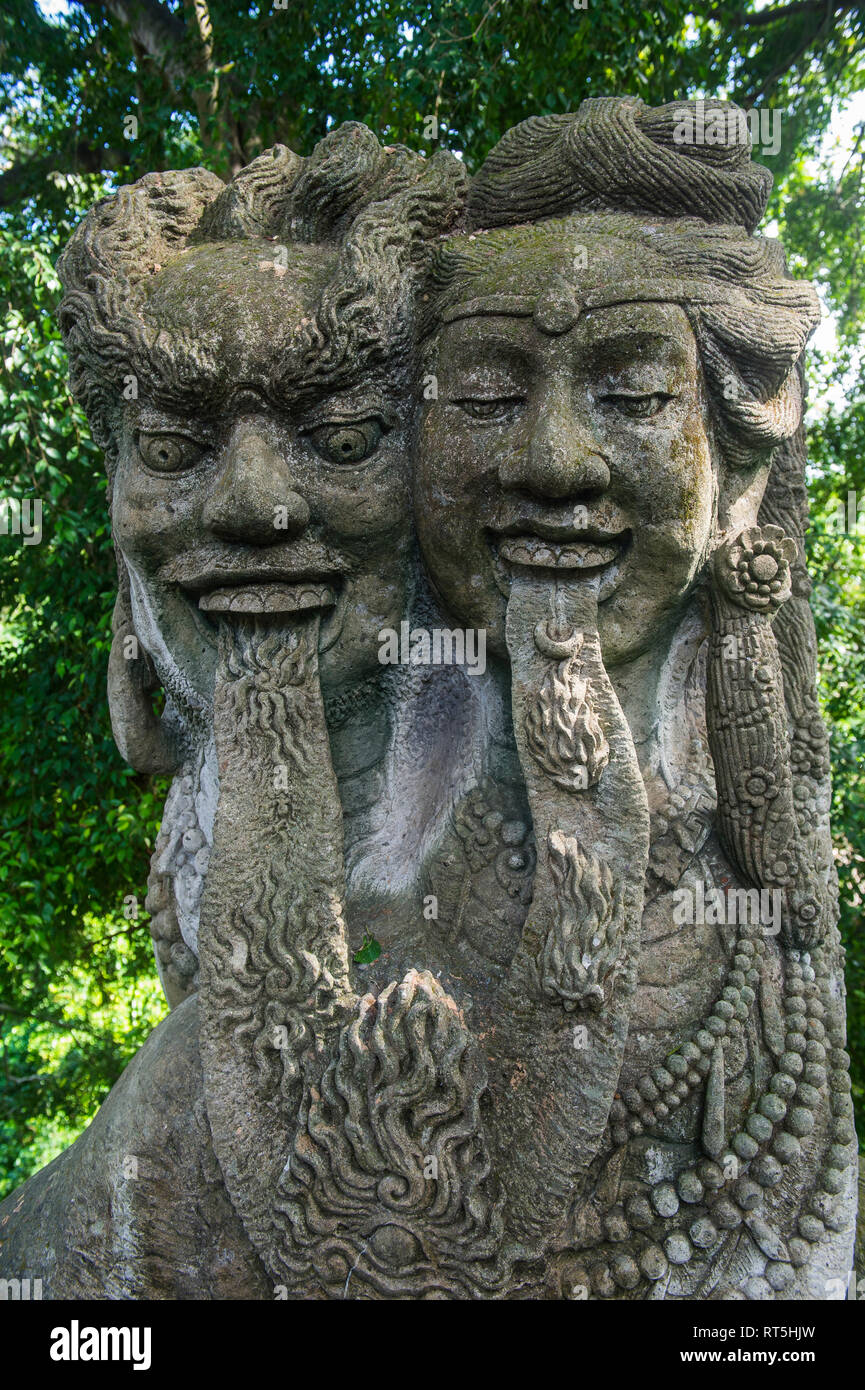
[141, 736]
[740, 497]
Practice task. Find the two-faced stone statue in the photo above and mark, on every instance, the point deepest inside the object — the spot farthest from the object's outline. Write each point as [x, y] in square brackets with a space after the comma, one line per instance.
[601, 1050]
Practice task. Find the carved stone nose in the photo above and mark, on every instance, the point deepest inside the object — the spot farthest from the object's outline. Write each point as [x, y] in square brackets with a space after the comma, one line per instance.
[560, 459]
[255, 487]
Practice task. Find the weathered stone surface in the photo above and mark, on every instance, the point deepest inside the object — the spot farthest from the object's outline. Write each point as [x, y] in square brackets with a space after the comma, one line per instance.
[137, 1207]
[356, 415]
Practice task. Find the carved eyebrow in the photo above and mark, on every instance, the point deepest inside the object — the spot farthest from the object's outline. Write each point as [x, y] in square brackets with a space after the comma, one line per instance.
[153, 416]
[335, 406]
[614, 348]
[492, 305]
[625, 339]
[504, 350]
[485, 330]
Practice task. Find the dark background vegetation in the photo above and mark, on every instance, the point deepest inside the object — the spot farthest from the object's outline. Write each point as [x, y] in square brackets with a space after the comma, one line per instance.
[212, 82]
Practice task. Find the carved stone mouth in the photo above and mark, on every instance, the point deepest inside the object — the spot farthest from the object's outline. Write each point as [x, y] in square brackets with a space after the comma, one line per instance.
[268, 598]
[578, 554]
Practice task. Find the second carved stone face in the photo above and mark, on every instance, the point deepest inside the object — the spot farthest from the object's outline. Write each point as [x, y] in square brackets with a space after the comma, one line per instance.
[242, 481]
[567, 441]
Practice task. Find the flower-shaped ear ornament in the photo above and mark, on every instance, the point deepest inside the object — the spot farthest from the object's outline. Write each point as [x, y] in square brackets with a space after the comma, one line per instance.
[753, 569]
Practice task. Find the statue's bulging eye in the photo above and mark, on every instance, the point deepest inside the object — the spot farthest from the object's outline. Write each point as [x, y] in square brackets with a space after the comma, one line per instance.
[348, 443]
[638, 407]
[501, 408]
[168, 453]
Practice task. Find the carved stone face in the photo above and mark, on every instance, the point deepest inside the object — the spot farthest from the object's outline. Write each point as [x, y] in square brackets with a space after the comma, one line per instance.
[246, 483]
[568, 442]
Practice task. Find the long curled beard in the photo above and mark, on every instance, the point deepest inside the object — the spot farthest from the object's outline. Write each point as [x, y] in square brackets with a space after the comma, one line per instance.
[348, 1131]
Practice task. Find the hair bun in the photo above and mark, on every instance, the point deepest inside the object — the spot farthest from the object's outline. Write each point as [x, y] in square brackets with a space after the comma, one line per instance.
[617, 154]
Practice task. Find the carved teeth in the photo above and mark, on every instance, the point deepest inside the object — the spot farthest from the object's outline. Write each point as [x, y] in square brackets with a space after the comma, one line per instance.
[531, 550]
[585, 556]
[268, 598]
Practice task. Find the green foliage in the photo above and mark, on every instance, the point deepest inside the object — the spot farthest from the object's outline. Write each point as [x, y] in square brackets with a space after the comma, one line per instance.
[257, 74]
[370, 950]
[836, 556]
[821, 212]
[77, 987]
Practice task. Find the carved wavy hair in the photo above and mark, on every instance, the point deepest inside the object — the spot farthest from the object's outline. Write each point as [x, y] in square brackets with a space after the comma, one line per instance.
[377, 207]
[614, 169]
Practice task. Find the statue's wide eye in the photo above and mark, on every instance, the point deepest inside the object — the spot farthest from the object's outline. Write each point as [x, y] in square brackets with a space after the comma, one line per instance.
[168, 453]
[348, 443]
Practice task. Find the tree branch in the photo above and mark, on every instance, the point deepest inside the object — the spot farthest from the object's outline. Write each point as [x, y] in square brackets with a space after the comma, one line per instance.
[206, 99]
[742, 96]
[753, 21]
[153, 27]
[464, 38]
[59, 1023]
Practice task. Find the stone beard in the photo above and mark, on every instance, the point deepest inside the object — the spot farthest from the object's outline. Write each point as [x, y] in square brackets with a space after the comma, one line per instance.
[380, 1092]
[601, 1050]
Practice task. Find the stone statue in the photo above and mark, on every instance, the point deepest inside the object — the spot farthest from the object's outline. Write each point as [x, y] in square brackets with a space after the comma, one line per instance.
[597, 1049]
